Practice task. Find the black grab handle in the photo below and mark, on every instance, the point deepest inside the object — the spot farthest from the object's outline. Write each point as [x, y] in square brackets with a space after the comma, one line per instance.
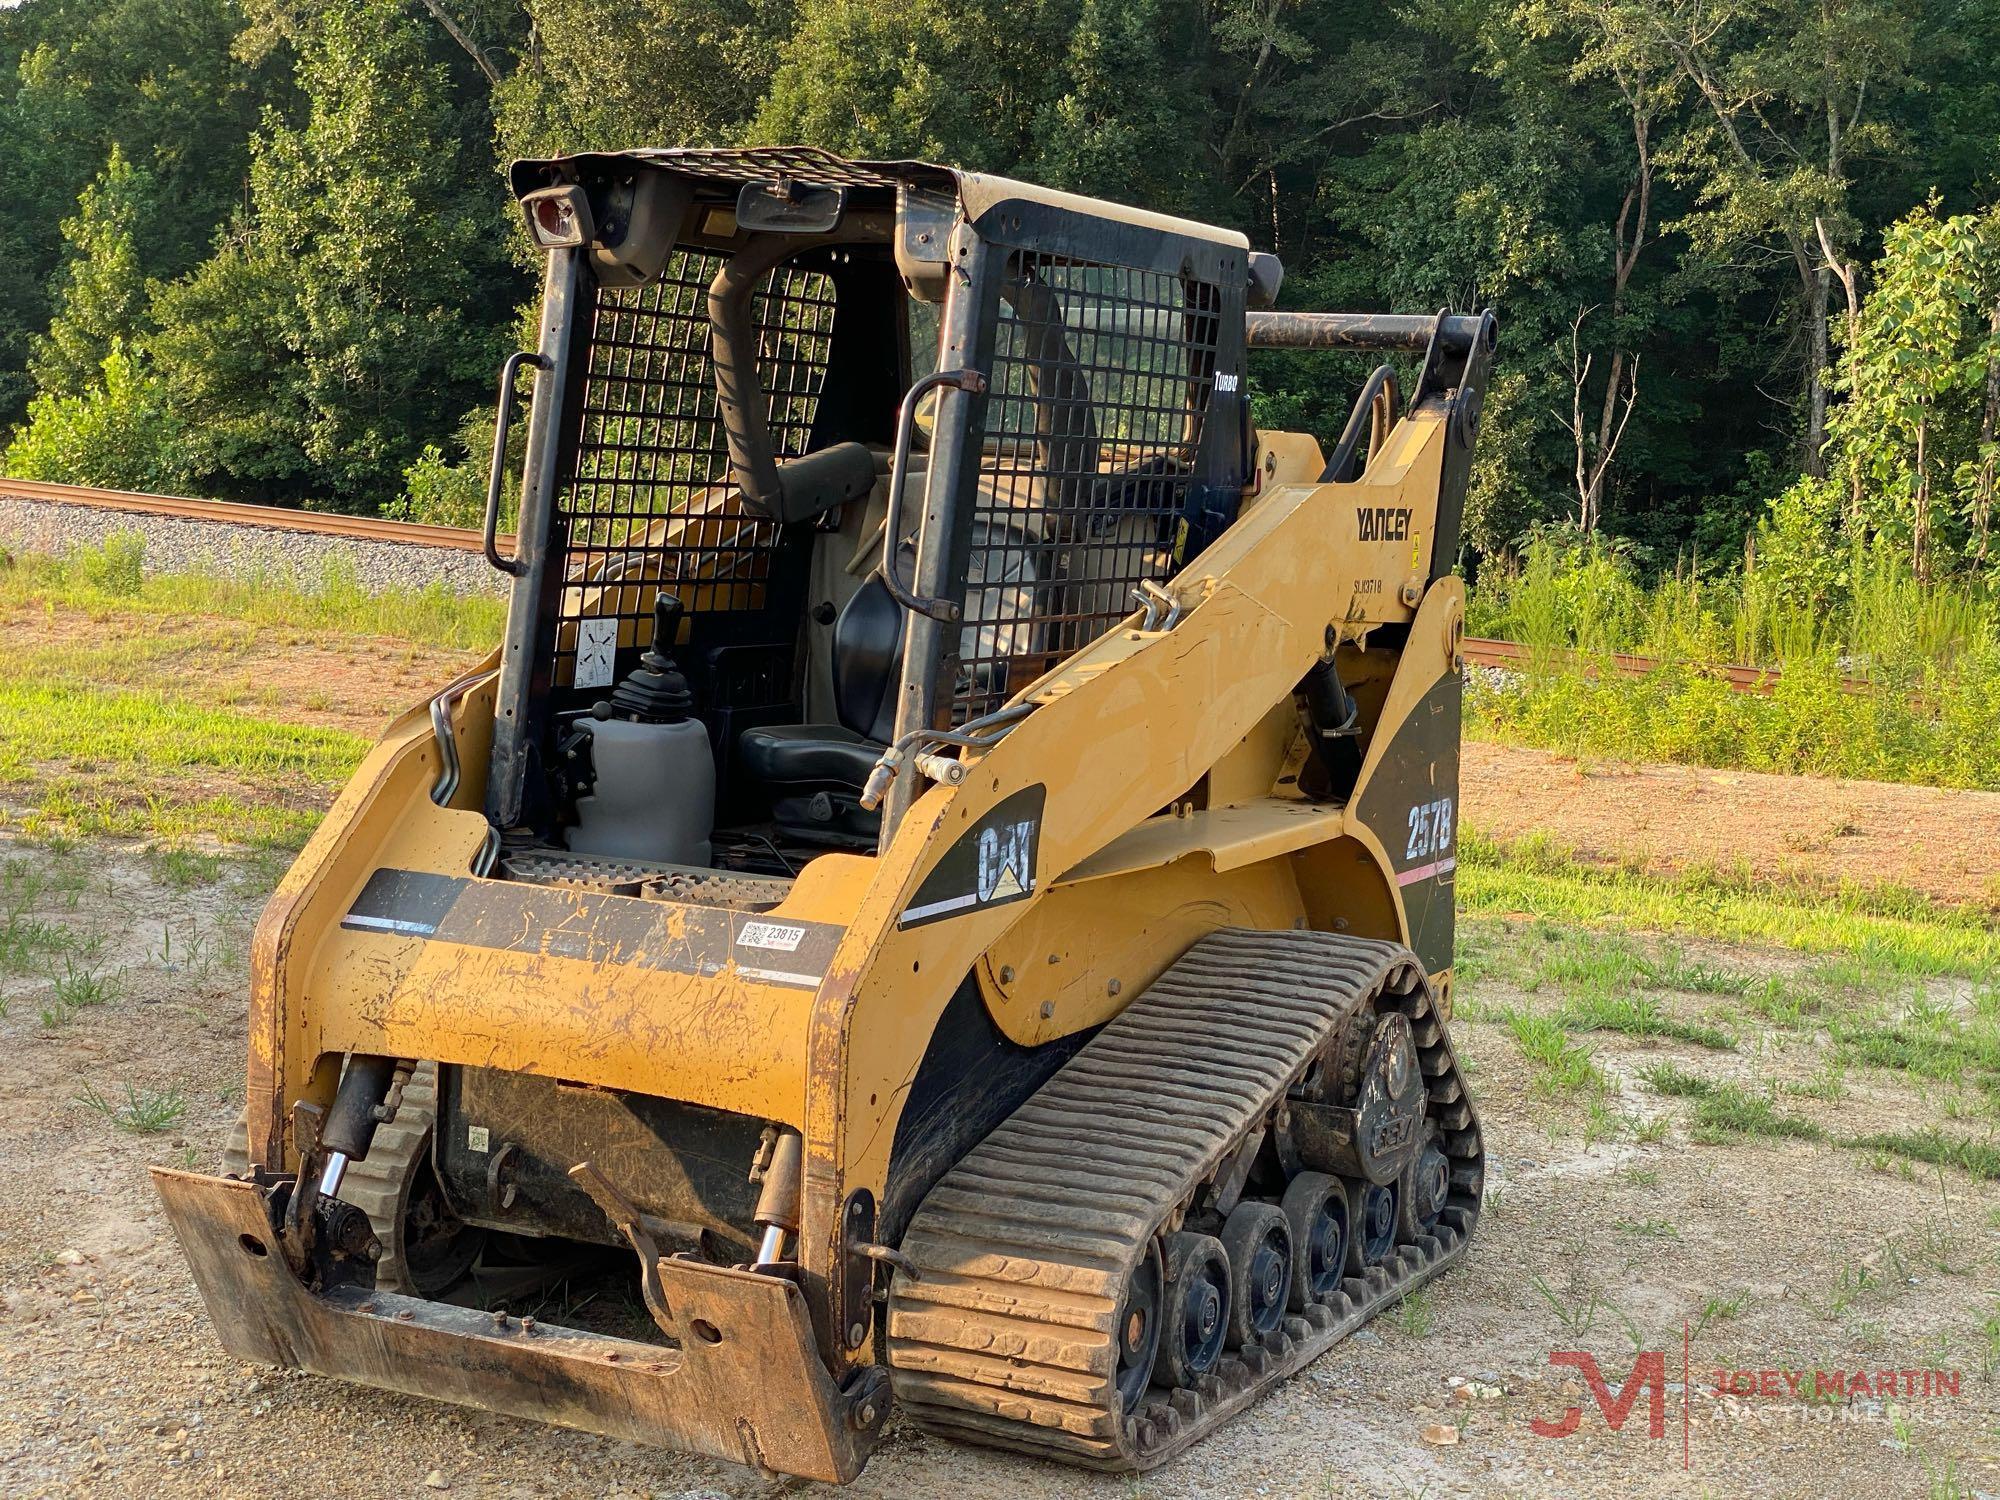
[496, 477]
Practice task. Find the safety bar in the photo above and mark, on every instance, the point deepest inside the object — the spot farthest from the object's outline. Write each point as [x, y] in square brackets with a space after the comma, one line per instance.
[1396, 333]
[496, 477]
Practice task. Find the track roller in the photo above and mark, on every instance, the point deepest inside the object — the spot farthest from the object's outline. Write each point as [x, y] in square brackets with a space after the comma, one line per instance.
[1197, 1310]
[1258, 1241]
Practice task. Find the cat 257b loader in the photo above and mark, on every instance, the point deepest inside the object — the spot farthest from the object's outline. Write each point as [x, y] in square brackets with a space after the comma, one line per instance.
[948, 876]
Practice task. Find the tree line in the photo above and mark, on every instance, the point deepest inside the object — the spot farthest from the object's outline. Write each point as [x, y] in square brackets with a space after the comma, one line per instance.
[1746, 252]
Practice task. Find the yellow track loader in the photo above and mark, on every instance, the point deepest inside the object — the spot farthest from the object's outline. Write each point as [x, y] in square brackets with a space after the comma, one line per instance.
[942, 900]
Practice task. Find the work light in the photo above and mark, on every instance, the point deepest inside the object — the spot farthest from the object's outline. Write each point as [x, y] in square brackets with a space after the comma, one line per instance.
[559, 217]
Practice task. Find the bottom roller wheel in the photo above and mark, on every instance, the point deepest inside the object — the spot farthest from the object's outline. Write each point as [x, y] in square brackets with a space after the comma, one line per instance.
[1425, 1185]
[1315, 1205]
[1258, 1240]
[1195, 1323]
[1374, 1207]
[1139, 1327]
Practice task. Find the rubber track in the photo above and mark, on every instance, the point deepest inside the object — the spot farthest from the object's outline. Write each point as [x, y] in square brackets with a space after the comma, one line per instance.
[380, 1185]
[1022, 1250]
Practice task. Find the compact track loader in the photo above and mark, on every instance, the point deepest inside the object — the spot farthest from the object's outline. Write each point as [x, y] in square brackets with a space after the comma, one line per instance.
[948, 876]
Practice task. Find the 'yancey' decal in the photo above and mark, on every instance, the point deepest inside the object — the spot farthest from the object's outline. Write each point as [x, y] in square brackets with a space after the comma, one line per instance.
[991, 864]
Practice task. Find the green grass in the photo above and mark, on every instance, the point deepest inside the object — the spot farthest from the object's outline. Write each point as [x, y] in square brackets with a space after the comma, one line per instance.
[1415, 1315]
[1560, 1065]
[147, 764]
[1637, 1015]
[1977, 1158]
[1608, 982]
[156, 724]
[183, 869]
[143, 1111]
[332, 599]
[1675, 1081]
[1887, 930]
[1728, 1111]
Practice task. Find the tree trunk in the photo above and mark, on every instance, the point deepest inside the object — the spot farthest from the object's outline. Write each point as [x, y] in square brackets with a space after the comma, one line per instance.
[1920, 526]
[1817, 288]
[1989, 434]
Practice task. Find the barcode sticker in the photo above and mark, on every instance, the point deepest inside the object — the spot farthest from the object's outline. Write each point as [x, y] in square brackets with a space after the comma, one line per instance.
[771, 935]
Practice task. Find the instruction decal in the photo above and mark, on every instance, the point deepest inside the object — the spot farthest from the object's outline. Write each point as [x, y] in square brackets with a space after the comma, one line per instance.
[596, 653]
[991, 864]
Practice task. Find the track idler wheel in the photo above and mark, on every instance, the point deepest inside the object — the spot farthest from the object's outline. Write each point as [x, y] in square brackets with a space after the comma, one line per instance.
[1258, 1240]
[1195, 1325]
[1315, 1205]
[1374, 1206]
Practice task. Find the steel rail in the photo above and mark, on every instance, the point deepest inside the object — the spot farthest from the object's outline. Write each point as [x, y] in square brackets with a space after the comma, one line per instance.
[270, 517]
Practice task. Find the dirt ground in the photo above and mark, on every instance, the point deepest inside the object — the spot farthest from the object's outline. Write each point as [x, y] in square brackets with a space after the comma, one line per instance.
[1943, 843]
[320, 681]
[1792, 1255]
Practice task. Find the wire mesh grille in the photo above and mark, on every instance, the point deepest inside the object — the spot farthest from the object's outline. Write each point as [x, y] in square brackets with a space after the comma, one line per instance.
[1101, 382]
[805, 164]
[650, 502]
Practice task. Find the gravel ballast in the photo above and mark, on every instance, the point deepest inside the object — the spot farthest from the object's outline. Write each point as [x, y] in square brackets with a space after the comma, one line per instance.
[177, 545]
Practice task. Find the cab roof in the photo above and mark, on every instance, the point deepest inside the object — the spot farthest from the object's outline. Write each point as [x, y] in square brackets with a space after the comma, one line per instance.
[726, 170]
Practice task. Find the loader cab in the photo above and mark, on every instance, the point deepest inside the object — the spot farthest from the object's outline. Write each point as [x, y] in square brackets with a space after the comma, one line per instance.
[728, 342]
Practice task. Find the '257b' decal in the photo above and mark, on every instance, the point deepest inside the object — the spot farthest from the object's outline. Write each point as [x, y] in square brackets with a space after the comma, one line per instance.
[1430, 849]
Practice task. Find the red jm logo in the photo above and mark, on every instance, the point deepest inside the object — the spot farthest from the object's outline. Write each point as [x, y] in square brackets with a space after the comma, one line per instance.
[1649, 1371]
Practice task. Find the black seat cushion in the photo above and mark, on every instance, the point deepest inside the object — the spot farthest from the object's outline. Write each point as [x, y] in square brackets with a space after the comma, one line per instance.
[815, 772]
[808, 755]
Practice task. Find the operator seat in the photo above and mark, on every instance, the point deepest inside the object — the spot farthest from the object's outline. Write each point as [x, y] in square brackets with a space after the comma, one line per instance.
[815, 772]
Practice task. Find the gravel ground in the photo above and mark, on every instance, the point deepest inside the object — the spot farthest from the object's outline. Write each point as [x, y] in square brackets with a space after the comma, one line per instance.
[1778, 1256]
[179, 546]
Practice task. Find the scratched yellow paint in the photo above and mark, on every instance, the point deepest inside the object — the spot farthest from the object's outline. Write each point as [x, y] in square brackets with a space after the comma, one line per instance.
[722, 1041]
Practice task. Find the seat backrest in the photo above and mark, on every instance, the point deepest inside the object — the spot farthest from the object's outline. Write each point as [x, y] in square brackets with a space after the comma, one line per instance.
[868, 661]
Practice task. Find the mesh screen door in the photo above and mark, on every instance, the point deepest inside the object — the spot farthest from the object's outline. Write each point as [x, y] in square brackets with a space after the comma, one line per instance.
[649, 501]
[1102, 379]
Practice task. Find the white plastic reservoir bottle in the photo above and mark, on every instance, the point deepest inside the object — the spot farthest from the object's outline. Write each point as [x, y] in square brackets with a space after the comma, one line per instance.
[654, 794]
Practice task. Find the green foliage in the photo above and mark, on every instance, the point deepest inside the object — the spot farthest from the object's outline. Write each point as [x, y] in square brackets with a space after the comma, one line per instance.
[1914, 377]
[608, 74]
[358, 314]
[118, 433]
[1638, 186]
[103, 292]
[112, 578]
[1879, 676]
[158, 80]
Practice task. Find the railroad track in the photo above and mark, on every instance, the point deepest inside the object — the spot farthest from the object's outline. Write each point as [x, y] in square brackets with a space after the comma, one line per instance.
[1509, 654]
[269, 517]
[1483, 653]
